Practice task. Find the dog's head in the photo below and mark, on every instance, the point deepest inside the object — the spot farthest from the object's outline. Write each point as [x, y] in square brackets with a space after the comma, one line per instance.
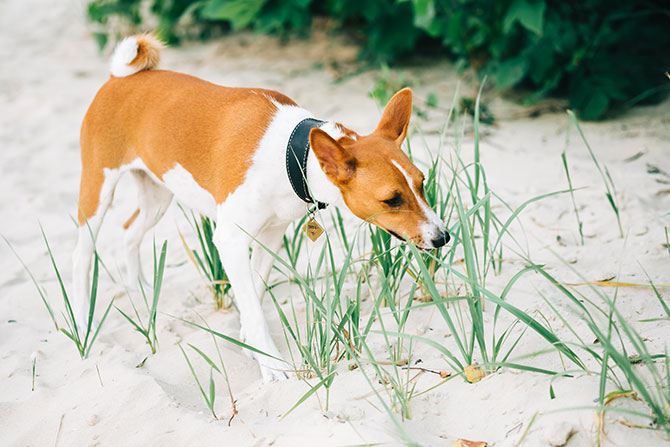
[377, 180]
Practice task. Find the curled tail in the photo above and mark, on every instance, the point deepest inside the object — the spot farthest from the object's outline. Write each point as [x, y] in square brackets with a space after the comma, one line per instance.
[136, 53]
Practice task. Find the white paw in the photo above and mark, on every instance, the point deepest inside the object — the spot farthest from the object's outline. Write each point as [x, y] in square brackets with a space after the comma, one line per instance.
[273, 370]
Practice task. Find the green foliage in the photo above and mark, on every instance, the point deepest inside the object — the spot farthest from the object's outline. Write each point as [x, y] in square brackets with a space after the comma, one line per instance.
[600, 54]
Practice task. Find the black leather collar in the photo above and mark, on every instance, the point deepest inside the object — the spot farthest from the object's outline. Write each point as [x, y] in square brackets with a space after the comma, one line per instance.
[297, 151]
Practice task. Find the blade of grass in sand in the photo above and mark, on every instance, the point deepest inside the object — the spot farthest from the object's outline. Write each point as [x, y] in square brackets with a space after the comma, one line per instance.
[37, 286]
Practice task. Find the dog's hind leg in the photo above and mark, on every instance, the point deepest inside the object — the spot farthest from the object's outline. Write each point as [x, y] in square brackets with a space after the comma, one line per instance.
[95, 195]
[153, 201]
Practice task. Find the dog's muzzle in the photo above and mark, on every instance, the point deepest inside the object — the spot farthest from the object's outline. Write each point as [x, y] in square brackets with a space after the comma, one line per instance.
[441, 240]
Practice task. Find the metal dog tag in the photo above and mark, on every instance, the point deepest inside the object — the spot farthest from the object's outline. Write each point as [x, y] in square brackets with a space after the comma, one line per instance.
[312, 229]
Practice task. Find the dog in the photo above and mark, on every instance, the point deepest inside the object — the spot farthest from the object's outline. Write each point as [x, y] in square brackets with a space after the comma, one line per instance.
[249, 158]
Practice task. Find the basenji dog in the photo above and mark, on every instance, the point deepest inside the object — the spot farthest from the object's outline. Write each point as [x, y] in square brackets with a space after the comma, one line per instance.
[249, 158]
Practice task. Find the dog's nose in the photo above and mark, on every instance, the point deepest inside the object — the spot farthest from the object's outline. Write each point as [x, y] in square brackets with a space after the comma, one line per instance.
[441, 240]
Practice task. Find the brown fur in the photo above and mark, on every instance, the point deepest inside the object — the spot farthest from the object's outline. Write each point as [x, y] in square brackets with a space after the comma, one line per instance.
[362, 170]
[165, 118]
[148, 52]
[131, 219]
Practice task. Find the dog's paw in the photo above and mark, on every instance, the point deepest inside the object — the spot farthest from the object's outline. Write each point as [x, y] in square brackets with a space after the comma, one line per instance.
[273, 369]
[274, 373]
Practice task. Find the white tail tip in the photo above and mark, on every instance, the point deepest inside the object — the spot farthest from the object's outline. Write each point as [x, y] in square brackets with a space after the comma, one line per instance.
[136, 53]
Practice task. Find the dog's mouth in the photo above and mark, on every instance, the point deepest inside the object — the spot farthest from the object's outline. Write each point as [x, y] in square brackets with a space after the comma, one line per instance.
[421, 248]
[394, 234]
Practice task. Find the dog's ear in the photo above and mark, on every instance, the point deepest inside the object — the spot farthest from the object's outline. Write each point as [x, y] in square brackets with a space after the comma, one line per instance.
[395, 118]
[337, 163]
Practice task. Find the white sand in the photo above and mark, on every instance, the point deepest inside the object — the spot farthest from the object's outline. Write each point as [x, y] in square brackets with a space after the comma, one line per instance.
[50, 72]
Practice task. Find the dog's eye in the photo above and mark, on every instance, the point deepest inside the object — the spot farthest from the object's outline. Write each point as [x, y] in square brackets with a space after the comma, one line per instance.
[394, 201]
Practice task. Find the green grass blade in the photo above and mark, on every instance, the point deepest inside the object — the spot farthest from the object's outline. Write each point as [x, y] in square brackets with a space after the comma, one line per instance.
[70, 320]
[206, 358]
[137, 327]
[195, 376]
[572, 196]
[158, 282]
[37, 286]
[313, 389]
[93, 299]
[228, 339]
[212, 391]
[97, 330]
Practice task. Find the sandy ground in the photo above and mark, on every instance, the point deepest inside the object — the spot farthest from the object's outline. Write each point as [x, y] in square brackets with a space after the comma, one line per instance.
[50, 72]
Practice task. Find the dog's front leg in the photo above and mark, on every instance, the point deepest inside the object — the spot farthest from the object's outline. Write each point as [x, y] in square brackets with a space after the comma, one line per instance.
[233, 245]
[262, 258]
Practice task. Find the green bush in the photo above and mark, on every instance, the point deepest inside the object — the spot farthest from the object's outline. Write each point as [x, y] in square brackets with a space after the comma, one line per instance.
[600, 54]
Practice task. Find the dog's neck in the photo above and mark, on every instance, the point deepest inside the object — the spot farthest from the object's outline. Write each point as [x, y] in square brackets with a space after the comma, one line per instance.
[322, 189]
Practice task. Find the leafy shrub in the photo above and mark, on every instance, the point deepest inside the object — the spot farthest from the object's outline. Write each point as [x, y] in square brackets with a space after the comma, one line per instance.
[601, 54]
[598, 53]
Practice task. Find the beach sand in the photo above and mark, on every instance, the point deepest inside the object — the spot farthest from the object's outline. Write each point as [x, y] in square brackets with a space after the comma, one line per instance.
[51, 71]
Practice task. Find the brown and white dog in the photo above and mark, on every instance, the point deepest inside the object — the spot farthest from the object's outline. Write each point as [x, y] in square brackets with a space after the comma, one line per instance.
[222, 152]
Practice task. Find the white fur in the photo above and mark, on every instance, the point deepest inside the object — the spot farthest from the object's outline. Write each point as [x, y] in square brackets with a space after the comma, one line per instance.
[188, 191]
[82, 256]
[322, 189]
[433, 226]
[124, 53]
[259, 210]
[153, 201]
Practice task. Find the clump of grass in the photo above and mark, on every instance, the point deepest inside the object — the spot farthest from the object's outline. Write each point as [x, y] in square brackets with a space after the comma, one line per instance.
[148, 329]
[83, 338]
[207, 261]
[623, 357]
[326, 318]
[478, 235]
[389, 261]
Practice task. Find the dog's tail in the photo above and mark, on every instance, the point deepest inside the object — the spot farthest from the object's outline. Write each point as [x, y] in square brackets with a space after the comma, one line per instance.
[137, 53]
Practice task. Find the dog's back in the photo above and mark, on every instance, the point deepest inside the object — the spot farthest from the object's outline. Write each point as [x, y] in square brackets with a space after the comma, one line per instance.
[162, 118]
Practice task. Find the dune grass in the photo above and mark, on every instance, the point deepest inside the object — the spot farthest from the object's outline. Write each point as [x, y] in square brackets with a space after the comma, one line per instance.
[82, 337]
[622, 355]
[359, 290]
[339, 319]
[207, 260]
